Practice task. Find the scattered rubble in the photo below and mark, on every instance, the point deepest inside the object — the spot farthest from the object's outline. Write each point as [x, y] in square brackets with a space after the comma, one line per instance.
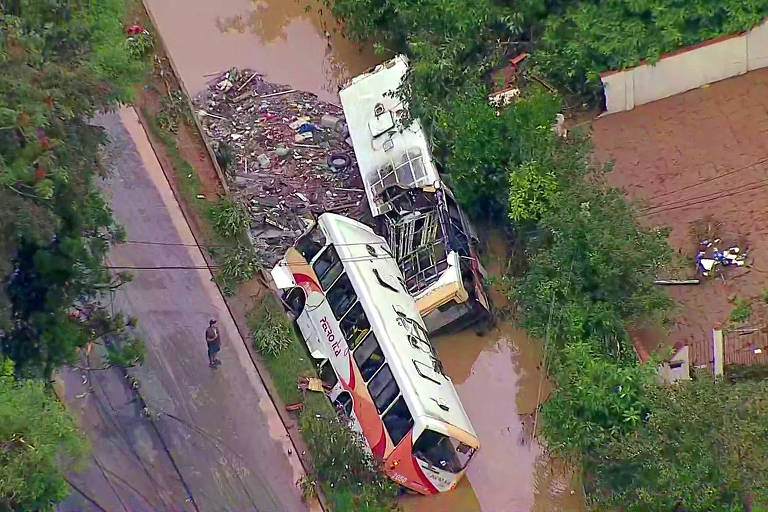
[289, 155]
[709, 256]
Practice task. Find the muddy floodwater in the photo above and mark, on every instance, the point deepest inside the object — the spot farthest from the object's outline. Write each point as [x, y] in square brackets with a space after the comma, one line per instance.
[296, 42]
[497, 374]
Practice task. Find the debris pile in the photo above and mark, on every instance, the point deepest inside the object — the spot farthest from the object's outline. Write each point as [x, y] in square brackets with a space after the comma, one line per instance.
[709, 257]
[286, 154]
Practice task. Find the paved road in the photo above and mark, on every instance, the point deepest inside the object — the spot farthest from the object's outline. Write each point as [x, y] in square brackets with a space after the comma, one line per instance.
[219, 427]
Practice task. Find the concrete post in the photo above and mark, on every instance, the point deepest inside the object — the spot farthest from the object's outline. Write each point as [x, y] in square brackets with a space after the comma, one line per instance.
[717, 349]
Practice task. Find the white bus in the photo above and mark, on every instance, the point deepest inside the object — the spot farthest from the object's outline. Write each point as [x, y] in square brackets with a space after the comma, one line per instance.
[430, 236]
[361, 324]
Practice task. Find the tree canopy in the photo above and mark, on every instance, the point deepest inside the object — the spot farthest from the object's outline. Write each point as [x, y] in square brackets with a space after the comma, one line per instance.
[703, 446]
[63, 63]
[37, 437]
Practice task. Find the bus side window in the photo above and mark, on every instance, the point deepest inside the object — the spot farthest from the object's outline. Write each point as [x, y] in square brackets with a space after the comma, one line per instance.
[355, 325]
[328, 267]
[383, 388]
[327, 374]
[343, 403]
[311, 243]
[398, 420]
[369, 356]
[341, 296]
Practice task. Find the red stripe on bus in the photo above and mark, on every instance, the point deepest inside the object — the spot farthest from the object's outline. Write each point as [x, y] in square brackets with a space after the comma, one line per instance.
[381, 446]
[304, 279]
[351, 372]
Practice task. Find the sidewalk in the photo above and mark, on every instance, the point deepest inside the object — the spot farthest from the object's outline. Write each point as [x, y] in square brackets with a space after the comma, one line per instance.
[219, 427]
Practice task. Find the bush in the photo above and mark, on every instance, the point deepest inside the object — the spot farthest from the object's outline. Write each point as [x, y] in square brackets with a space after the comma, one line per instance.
[230, 218]
[237, 265]
[596, 398]
[741, 311]
[272, 332]
[702, 446]
[346, 468]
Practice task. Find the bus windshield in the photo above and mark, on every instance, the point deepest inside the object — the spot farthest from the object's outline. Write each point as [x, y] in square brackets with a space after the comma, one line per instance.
[443, 452]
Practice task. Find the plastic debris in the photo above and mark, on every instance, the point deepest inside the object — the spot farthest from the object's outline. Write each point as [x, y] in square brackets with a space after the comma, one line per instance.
[280, 140]
[710, 257]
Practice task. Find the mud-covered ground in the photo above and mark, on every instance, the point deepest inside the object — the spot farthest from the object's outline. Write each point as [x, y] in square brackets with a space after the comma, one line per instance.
[699, 159]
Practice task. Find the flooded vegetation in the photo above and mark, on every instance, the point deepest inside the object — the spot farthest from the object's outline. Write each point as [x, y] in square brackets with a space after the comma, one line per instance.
[498, 373]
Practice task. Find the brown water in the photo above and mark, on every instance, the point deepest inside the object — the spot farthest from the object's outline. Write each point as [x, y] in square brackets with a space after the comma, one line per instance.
[294, 42]
[499, 379]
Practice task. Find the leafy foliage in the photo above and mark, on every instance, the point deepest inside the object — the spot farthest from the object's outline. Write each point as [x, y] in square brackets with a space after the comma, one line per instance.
[704, 446]
[62, 64]
[230, 218]
[238, 264]
[590, 36]
[140, 45]
[589, 258]
[533, 192]
[342, 462]
[37, 436]
[596, 399]
[271, 331]
[742, 309]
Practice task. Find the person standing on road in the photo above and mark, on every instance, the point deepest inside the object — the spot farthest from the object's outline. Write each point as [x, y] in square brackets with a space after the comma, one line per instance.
[214, 343]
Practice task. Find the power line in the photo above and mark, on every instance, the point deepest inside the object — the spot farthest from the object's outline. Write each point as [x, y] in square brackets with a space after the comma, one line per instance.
[687, 204]
[708, 180]
[165, 267]
[703, 196]
[182, 244]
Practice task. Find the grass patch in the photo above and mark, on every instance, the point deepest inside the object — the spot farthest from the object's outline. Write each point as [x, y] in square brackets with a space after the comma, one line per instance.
[741, 311]
[188, 181]
[293, 360]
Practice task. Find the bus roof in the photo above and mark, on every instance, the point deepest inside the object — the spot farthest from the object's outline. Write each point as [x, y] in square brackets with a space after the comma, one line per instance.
[379, 286]
[379, 138]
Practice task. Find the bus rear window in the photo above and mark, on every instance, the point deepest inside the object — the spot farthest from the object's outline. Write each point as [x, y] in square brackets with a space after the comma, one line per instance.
[328, 267]
[442, 452]
[369, 356]
[341, 296]
[398, 421]
[383, 388]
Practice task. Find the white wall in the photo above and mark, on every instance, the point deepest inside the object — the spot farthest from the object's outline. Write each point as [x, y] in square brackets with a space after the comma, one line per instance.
[686, 70]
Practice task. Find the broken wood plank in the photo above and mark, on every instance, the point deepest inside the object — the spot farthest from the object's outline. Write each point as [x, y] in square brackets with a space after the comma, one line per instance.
[246, 83]
[277, 93]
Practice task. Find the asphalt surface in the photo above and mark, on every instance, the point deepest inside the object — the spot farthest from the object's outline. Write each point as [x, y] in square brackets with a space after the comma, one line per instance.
[214, 440]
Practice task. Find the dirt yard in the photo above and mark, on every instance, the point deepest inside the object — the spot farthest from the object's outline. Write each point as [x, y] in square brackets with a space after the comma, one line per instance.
[700, 160]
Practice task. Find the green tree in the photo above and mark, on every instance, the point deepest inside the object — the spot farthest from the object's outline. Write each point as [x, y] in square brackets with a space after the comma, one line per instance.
[63, 63]
[38, 438]
[596, 398]
[591, 36]
[703, 446]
